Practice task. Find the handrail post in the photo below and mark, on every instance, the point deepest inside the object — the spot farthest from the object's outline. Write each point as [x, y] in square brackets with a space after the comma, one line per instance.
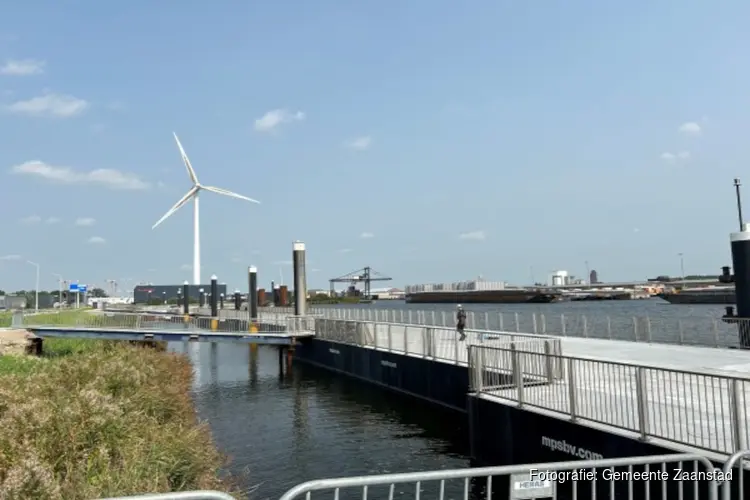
[641, 398]
[390, 338]
[456, 349]
[517, 372]
[548, 362]
[736, 415]
[571, 369]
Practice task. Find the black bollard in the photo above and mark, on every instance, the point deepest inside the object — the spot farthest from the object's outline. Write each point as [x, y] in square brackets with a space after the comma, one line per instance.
[221, 300]
[201, 298]
[740, 242]
[252, 293]
[214, 297]
[300, 279]
[186, 297]
[237, 300]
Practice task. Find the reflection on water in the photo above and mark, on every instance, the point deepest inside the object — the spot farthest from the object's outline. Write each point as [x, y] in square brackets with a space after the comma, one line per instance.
[309, 424]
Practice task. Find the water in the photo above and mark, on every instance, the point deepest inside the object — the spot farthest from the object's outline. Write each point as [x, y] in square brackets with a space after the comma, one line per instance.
[311, 424]
[643, 320]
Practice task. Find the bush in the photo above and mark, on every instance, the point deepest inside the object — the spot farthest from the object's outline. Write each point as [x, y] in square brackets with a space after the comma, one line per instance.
[102, 419]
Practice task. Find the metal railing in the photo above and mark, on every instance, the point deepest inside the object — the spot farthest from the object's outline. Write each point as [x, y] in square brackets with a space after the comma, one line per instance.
[266, 324]
[434, 343]
[735, 464]
[183, 495]
[708, 332]
[638, 477]
[705, 411]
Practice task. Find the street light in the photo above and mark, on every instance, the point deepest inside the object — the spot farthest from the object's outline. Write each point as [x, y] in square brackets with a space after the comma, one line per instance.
[682, 267]
[59, 289]
[36, 293]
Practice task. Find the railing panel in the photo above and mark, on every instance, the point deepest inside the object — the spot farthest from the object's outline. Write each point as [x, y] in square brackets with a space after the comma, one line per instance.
[573, 479]
[702, 410]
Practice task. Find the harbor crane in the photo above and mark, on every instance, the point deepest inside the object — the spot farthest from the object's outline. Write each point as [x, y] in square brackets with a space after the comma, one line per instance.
[365, 275]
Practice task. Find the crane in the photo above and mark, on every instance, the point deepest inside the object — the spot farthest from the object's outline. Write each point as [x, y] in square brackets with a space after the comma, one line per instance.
[365, 275]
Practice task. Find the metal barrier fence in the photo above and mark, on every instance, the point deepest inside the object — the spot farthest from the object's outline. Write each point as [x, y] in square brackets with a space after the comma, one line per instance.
[709, 332]
[184, 495]
[637, 477]
[735, 464]
[438, 344]
[269, 324]
[705, 411]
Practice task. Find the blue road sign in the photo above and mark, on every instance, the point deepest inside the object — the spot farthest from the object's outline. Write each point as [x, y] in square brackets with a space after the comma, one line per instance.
[73, 287]
[82, 288]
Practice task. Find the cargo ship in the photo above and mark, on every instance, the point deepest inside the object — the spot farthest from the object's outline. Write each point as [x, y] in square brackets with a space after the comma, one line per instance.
[710, 295]
[478, 292]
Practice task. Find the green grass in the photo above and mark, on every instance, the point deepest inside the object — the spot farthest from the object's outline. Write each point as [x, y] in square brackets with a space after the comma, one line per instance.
[5, 319]
[97, 419]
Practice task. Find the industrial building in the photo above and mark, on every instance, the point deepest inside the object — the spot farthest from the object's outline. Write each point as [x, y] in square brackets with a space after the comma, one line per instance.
[145, 294]
[12, 302]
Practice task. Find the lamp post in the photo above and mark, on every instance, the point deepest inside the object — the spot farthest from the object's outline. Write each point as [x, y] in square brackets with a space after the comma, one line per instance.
[682, 267]
[59, 290]
[36, 291]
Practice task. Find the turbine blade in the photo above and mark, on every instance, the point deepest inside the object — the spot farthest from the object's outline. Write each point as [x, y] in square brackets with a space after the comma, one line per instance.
[177, 205]
[186, 160]
[228, 193]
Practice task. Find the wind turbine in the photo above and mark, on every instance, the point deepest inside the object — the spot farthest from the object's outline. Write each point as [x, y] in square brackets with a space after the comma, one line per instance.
[192, 194]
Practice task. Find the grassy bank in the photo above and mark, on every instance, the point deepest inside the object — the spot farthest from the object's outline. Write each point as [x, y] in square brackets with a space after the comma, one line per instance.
[96, 419]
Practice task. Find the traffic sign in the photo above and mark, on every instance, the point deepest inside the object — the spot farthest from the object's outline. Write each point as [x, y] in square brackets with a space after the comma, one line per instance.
[82, 288]
[73, 287]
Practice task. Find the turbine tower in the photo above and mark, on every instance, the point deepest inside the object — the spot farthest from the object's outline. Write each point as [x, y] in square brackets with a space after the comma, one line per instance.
[192, 194]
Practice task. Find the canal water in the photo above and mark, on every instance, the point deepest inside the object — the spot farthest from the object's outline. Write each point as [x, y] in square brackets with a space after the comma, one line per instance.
[311, 424]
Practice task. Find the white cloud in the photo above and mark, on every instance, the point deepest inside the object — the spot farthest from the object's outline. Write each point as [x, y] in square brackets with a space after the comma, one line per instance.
[345, 250]
[85, 221]
[58, 105]
[96, 240]
[272, 119]
[690, 128]
[52, 220]
[473, 235]
[186, 267]
[10, 257]
[110, 178]
[674, 157]
[31, 219]
[22, 67]
[366, 235]
[360, 143]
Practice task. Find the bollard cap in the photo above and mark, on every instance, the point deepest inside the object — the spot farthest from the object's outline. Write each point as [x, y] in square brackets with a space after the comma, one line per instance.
[299, 246]
[236, 290]
[200, 290]
[186, 283]
[252, 269]
[213, 277]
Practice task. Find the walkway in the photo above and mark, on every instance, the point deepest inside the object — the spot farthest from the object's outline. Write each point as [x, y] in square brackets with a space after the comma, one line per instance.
[269, 329]
[702, 331]
[673, 395]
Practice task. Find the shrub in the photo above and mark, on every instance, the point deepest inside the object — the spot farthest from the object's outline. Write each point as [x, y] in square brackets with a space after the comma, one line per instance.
[107, 420]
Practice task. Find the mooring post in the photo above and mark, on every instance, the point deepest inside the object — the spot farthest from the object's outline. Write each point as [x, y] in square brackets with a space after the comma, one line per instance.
[186, 299]
[252, 298]
[740, 244]
[214, 303]
[300, 280]
[221, 300]
[237, 300]
[201, 298]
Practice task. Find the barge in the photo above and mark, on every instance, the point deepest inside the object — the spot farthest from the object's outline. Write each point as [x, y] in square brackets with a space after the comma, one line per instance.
[506, 296]
[724, 295]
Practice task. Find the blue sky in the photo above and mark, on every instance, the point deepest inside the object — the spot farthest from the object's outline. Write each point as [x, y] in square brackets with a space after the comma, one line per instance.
[464, 138]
